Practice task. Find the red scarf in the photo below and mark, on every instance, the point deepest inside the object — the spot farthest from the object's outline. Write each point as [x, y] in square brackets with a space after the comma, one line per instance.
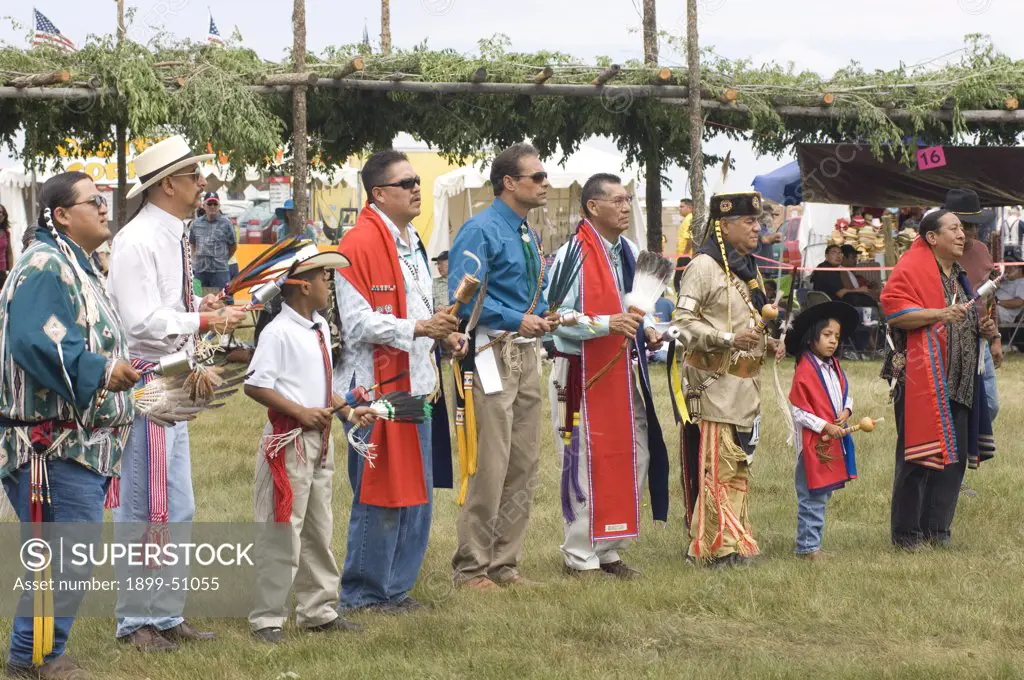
[283, 495]
[915, 284]
[809, 393]
[397, 479]
[608, 410]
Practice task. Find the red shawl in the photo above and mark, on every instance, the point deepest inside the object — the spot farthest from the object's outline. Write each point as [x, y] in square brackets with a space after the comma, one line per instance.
[607, 410]
[397, 479]
[915, 284]
[810, 394]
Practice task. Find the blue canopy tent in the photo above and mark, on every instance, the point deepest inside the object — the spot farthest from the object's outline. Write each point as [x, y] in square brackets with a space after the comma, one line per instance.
[781, 185]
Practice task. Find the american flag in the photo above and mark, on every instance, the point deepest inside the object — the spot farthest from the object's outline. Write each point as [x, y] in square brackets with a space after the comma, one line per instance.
[214, 37]
[48, 34]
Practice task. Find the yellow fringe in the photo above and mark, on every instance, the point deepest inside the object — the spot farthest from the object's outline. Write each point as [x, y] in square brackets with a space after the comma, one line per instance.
[460, 431]
[471, 439]
[675, 377]
[42, 622]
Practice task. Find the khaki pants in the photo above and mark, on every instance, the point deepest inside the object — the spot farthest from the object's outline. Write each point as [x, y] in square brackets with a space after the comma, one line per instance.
[300, 559]
[492, 524]
[720, 524]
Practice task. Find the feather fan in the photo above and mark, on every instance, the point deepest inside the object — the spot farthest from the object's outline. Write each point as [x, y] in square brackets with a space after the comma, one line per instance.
[653, 273]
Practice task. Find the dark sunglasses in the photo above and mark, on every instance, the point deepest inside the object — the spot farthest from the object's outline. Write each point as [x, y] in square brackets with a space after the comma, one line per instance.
[196, 174]
[408, 183]
[537, 177]
[98, 200]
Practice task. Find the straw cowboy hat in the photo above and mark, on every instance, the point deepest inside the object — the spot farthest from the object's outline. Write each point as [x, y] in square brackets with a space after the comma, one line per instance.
[162, 159]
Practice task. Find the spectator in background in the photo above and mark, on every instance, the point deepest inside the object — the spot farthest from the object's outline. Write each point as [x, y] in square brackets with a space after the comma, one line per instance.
[824, 280]
[1010, 302]
[684, 242]
[1010, 294]
[213, 243]
[441, 281]
[768, 244]
[842, 285]
[858, 292]
[1011, 232]
[6, 250]
[289, 225]
[663, 309]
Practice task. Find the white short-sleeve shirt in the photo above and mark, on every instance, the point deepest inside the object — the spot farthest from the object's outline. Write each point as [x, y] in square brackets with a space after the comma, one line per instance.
[289, 360]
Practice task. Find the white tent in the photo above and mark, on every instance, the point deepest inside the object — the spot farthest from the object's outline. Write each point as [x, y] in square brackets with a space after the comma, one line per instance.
[14, 196]
[461, 193]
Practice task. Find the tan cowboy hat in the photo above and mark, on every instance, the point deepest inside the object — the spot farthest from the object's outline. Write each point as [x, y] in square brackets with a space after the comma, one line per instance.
[162, 159]
[320, 260]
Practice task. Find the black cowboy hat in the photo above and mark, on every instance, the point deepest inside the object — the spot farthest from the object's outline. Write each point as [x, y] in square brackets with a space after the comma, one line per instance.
[967, 206]
[847, 315]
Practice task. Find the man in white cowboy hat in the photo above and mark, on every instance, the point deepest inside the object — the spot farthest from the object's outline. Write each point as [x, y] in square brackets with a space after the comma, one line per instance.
[151, 286]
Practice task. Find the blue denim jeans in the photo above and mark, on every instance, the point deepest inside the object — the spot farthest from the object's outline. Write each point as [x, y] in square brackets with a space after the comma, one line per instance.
[810, 512]
[989, 378]
[386, 546]
[76, 495]
[213, 279]
[135, 501]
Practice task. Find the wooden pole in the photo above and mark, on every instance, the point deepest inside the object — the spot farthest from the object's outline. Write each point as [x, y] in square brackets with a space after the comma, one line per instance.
[300, 140]
[652, 152]
[696, 123]
[662, 77]
[40, 79]
[356, 64]
[121, 139]
[606, 75]
[670, 95]
[650, 32]
[290, 79]
[385, 26]
[543, 75]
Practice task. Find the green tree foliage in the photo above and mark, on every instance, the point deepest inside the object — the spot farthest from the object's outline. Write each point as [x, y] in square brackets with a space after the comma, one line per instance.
[205, 92]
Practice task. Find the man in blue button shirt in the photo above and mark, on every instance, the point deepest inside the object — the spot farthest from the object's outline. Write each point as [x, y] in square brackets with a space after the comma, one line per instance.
[492, 523]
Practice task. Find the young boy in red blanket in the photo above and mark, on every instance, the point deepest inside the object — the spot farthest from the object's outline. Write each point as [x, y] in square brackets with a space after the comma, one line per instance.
[822, 406]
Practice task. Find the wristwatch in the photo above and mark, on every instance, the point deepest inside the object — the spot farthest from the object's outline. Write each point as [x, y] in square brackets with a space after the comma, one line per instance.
[727, 338]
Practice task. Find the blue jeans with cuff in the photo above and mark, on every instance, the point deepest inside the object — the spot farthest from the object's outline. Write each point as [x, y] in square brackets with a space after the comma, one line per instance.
[134, 509]
[810, 512]
[76, 495]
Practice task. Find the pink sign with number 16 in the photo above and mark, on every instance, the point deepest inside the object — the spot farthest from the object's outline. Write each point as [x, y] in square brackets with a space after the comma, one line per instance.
[932, 157]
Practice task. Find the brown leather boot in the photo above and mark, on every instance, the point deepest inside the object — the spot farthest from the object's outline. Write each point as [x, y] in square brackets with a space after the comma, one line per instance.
[621, 570]
[186, 631]
[61, 668]
[479, 583]
[148, 639]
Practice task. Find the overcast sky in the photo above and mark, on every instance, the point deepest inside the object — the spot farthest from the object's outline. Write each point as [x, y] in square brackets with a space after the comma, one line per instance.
[816, 35]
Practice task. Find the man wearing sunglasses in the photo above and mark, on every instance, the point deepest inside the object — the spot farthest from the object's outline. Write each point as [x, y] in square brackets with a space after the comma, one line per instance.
[492, 523]
[389, 328]
[213, 239]
[151, 286]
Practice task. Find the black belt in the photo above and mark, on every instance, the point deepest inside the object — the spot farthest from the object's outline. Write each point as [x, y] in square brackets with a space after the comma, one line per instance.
[14, 422]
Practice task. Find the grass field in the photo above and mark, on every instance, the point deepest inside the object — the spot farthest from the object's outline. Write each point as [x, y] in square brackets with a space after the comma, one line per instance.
[870, 612]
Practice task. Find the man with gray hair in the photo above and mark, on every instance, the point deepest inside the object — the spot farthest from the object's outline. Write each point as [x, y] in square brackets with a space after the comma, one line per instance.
[610, 429]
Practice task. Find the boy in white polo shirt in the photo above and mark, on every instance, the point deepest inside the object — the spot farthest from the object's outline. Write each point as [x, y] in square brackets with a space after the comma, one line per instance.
[292, 375]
